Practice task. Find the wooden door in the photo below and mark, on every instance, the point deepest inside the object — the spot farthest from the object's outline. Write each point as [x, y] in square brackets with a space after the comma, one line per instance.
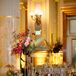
[69, 35]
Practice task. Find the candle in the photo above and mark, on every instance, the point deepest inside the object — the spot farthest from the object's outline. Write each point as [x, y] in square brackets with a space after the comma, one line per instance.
[51, 38]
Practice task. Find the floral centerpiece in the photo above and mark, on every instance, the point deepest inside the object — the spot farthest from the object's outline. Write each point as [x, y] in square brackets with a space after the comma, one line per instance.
[26, 43]
[22, 43]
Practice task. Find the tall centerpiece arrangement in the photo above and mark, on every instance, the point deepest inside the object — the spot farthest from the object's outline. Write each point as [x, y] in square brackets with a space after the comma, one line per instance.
[26, 43]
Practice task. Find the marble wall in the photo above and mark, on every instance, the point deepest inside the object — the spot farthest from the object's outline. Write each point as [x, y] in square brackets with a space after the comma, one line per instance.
[9, 22]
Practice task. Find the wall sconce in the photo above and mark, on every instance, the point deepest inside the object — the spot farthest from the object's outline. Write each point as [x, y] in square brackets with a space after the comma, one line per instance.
[36, 16]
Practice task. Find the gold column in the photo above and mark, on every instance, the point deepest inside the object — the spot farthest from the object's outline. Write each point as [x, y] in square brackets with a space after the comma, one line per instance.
[23, 16]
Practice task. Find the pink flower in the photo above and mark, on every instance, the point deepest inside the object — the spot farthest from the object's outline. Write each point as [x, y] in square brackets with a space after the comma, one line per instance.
[26, 43]
[28, 39]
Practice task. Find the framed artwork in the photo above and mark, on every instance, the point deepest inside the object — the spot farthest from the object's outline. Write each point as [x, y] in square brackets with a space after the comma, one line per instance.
[67, 12]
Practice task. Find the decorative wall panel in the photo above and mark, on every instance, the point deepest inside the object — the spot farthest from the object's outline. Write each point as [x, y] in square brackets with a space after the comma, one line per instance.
[8, 25]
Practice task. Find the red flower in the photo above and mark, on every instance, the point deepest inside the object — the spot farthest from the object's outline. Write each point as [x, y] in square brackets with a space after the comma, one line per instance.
[18, 49]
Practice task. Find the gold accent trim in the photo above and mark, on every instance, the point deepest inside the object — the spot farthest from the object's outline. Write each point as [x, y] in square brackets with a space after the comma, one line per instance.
[9, 17]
